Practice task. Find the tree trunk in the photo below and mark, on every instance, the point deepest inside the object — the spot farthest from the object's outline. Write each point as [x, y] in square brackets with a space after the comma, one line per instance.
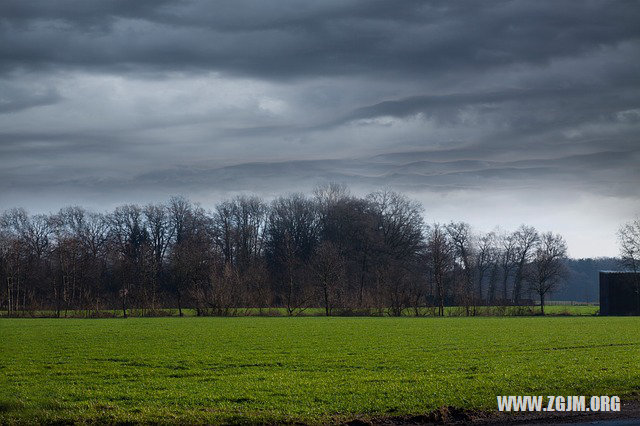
[517, 286]
[440, 299]
[124, 306]
[179, 304]
[326, 299]
[362, 272]
[493, 279]
[505, 280]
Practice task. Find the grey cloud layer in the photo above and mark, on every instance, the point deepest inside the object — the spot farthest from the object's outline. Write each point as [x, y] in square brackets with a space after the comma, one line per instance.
[134, 101]
[287, 39]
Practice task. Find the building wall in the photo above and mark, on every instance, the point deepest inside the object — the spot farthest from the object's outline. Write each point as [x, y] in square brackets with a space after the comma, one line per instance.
[619, 293]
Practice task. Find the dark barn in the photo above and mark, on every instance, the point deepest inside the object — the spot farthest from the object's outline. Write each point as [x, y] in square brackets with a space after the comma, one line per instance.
[619, 293]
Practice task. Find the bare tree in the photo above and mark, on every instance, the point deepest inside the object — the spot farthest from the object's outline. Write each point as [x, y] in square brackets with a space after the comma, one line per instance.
[328, 268]
[461, 238]
[399, 242]
[525, 238]
[160, 233]
[191, 257]
[494, 275]
[249, 222]
[95, 237]
[291, 239]
[28, 256]
[329, 194]
[439, 260]
[14, 254]
[333, 250]
[181, 219]
[507, 260]
[629, 240]
[401, 222]
[69, 256]
[547, 268]
[485, 260]
[129, 238]
[350, 224]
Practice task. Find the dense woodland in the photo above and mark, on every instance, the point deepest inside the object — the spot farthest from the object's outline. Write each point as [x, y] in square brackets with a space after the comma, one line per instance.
[582, 282]
[344, 253]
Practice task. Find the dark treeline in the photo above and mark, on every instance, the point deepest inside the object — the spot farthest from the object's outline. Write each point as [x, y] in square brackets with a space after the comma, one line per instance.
[583, 284]
[343, 253]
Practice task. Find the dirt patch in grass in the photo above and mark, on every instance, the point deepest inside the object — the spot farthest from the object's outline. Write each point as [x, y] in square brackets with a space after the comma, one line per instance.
[630, 410]
[443, 415]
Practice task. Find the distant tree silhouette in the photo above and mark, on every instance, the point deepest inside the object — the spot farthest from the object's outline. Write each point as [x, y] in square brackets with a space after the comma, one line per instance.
[335, 250]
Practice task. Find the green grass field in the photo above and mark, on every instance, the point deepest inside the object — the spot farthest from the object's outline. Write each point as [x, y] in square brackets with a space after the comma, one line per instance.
[302, 369]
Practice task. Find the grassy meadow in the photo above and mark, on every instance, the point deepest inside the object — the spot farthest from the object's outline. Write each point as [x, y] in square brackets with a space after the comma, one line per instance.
[310, 369]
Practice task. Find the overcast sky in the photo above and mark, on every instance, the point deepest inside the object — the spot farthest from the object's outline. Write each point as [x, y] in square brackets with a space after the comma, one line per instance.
[496, 113]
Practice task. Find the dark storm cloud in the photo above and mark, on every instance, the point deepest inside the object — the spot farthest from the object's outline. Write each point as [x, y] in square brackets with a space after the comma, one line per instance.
[119, 101]
[519, 112]
[287, 39]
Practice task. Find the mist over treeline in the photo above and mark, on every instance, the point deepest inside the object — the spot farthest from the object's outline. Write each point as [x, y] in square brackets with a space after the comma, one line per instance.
[329, 249]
